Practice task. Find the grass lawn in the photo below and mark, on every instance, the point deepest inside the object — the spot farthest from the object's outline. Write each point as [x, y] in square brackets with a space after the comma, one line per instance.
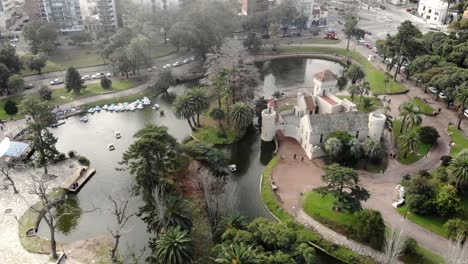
[212, 135]
[310, 41]
[423, 107]
[461, 142]
[374, 76]
[286, 107]
[375, 103]
[422, 150]
[60, 96]
[423, 256]
[434, 224]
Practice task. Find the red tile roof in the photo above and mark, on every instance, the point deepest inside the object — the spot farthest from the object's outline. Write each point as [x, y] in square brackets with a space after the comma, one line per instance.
[310, 106]
[328, 100]
[325, 76]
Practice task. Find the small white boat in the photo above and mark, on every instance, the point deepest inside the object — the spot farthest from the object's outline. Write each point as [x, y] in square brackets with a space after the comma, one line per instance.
[146, 101]
[131, 108]
[111, 107]
[111, 147]
[91, 110]
[97, 108]
[84, 119]
[156, 107]
[232, 167]
[105, 107]
[117, 135]
[140, 106]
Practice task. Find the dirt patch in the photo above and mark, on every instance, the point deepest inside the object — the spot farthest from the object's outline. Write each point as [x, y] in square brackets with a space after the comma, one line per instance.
[94, 250]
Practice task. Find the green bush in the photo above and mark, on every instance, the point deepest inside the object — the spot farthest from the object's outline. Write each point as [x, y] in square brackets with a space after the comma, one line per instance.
[45, 93]
[420, 196]
[71, 154]
[369, 228]
[428, 135]
[457, 228]
[411, 246]
[447, 202]
[60, 157]
[106, 83]
[83, 161]
[11, 107]
[445, 160]
[441, 174]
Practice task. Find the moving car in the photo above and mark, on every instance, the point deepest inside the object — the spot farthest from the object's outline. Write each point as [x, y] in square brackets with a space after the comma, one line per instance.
[369, 46]
[167, 66]
[98, 75]
[186, 61]
[153, 68]
[29, 86]
[177, 63]
[388, 19]
[109, 74]
[433, 89]
[442, 95]
[86, 77]
[56, 82]
[362, 42]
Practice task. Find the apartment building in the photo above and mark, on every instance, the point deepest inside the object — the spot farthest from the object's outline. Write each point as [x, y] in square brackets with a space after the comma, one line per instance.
[65, 13]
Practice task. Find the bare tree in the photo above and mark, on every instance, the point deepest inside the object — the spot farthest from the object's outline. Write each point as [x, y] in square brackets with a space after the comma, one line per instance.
[457, 252]
[46, 208]
[395, 242]
[121, 215]
[5, 168]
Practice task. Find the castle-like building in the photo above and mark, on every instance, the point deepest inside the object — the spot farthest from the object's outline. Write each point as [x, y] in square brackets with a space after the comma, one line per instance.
[320, 113]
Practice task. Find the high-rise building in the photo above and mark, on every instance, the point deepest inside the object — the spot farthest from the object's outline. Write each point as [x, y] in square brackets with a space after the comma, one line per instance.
[107, 14]
[65, 13]
[250, 7]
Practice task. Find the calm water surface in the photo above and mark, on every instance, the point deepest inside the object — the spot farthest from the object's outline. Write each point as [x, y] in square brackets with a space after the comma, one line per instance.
[91, 140]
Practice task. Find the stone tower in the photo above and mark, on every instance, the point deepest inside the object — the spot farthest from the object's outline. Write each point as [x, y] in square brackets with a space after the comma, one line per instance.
[376, 125]
[269, 122]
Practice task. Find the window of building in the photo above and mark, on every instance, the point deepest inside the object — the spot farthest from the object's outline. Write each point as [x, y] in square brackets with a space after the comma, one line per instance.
[436, 13]
[428, 17]
[357, 134]
[321, 138]
[430, 11]
[424, 8]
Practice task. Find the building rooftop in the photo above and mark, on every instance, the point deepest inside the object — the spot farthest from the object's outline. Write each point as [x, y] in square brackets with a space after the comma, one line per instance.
[309, 102]
[325, 76]
[346, 121]
[328, 100]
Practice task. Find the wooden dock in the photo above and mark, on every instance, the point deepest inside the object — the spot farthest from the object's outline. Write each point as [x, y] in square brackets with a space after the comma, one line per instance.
[78, 179]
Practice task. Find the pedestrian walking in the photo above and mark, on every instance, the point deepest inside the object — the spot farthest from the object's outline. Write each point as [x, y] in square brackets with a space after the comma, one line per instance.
[302, 159]
[295, 156]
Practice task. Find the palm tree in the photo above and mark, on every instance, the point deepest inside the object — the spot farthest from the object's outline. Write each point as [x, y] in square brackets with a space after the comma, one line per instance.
[174, 246]
[333, 147]
[409, 110]
[353, 90]
[458, 168]
[355, 148]
[238, 254]
[219, 84]
[241, 114]
[372, 148]
[184, 108]
[175, 211]
[234, 221]
[200, 101]
[355, 73]
[409, 142]
[342, 82]
[364, 89]
[217, 114]
[462, 99]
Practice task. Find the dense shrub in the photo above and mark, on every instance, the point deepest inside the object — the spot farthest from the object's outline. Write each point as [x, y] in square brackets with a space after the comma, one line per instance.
[424, 173]
[411, 246]
[106, 83]
[447, 202]
[441, 174]
[420, 196]
[428, 135]
[60, 157]
[343, 136]
[45, 93]
[445, 160]
[83, 161]
[368, 227]
[11, 107]
[71, 154]
[457, 228]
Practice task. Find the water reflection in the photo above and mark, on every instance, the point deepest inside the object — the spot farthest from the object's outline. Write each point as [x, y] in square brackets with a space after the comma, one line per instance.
[67, 214]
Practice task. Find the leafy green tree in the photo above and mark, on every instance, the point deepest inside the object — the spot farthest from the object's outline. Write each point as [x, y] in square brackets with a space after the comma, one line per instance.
[42, 140]
[447, 202]
[219, 84]
[342, 183]
[369, 228]
[409, 142]
[462, 99]
[354, 90]
[174, 212]
[372, 148]
[73, 81]
[11, 107]
[355, 148]
[184, 109]
[209, 157]
[138, 53]
[166, 79]
[200, 102]
[217, 114]
[181, 34]
[234, 221]
[252, 42]
[342, 82]
[120, 61]
[285, 14]
[409, 111]
[242, 115]
[351, 30]
[364, 89]
[457, 228]
[428, 135]
[10, 59]
[333, 147]
[420, 196]
[174, 246]
[355, 73]
[41, 36]
[238, 253]
[15, 83]
[106, 83]
[152, 156]
[45, 92]
[5, 73]
[36, 63]
[458, 168]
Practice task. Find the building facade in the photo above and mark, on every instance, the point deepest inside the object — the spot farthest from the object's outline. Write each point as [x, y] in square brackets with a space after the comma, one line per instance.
[250, 7]
[107, 14]
[432, 11]
[65, 13]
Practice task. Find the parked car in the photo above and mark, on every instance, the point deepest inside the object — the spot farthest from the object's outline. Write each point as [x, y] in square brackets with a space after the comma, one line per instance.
[375, 50]
[152, 68]
[388, 19]
[369, 46]
[383, 7]
[86, 77]
[29, 86]
[409, 10]
[14, 40]
[465, 113]
[186, 60]
[177, 63]
[442, 95]
[433, 90]
[109, 74]
[98, 75]
[167, 66]
[56, 82]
